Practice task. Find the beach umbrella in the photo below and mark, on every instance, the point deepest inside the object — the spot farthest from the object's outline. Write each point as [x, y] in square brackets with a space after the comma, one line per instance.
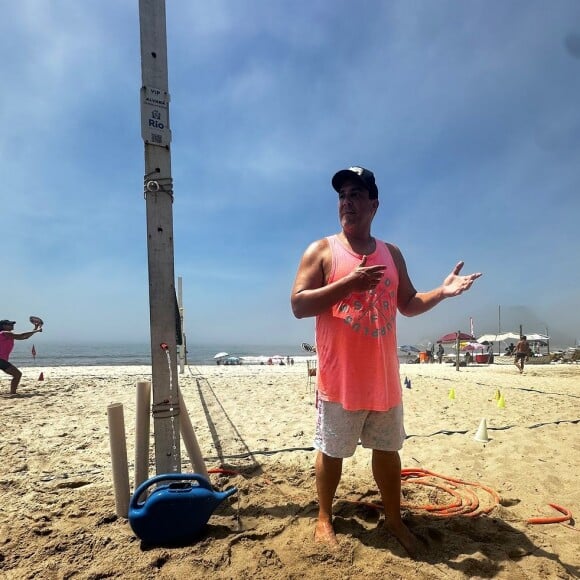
[453, 336]
[473, 346]
[456, 337]
[220, 355]
[308, 347]
[408, 348]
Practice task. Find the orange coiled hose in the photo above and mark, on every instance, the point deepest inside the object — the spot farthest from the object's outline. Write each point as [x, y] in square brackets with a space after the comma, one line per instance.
[465, 501]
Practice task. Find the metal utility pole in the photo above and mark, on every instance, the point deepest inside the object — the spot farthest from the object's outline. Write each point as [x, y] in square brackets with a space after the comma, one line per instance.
[499, 349]
[158, 188]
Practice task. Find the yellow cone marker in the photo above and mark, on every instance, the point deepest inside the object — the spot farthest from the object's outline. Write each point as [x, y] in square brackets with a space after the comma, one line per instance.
[452, 394]
[496, 395]
[501, 402]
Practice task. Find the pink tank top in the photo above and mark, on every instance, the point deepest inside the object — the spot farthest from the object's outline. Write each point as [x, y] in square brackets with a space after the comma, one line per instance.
[6, 345]
[356, 340]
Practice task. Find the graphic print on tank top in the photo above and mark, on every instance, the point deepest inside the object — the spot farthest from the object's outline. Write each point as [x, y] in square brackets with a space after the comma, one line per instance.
[370, 313]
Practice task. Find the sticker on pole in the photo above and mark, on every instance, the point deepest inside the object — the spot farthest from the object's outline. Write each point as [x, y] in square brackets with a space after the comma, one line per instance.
[155, 116]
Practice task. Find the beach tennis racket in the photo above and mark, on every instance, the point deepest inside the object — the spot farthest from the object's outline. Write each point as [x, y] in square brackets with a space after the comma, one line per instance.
[308, 347]
[36, 321]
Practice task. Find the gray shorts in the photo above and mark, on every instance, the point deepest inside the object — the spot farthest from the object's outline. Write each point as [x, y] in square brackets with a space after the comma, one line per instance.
[338, 431]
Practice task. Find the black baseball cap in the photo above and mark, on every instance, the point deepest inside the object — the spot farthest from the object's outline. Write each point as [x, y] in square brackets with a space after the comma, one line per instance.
[364, 176]
[5, 322]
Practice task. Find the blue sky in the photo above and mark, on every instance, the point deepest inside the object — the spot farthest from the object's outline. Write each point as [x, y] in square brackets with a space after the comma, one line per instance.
[467, 112]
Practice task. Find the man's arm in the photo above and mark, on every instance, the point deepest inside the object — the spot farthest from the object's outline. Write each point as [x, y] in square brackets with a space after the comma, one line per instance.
[311, 295]
[411, 303]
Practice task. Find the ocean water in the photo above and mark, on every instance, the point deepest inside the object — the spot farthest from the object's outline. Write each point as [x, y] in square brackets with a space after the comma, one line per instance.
[125, 354]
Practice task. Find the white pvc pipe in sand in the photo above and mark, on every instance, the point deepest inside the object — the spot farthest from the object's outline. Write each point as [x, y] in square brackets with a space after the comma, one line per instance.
[142, 432]
[190, 440]
[119, 458]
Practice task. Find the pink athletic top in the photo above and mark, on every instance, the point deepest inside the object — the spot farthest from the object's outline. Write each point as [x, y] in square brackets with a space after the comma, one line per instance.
[356, 339]
[6, 345]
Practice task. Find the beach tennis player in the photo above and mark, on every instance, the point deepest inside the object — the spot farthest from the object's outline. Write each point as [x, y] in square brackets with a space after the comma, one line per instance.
[523, 352]
[7, 338]
[354, 284]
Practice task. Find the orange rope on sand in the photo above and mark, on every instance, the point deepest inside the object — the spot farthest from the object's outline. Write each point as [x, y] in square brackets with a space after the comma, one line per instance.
[554, 519]
[223, 471]
[465, 501]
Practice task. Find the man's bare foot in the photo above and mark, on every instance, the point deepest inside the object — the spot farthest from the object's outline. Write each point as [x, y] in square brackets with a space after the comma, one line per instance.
[324, 534]
[405, 538]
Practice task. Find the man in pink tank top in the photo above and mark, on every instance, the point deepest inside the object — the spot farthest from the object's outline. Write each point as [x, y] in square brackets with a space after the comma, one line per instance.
[354, 285]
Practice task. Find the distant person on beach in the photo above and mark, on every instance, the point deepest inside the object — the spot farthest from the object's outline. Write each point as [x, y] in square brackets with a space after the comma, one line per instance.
[353, 284]
[440, 353]
[509, 350]
[522, 353]
[490, 352]
[7, 338]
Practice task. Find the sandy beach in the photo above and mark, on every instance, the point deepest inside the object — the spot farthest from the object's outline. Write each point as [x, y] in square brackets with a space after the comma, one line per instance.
[57, 512]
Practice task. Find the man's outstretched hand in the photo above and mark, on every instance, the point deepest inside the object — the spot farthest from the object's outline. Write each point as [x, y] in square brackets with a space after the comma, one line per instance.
[454, 284]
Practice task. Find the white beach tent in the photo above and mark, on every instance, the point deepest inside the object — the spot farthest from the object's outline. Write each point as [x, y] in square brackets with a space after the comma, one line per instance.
[537, 337]
[512, 336]
[497, 339]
